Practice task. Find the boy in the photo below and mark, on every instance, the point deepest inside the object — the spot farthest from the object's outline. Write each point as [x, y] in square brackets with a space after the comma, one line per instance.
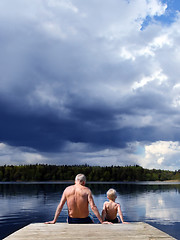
[111, 208]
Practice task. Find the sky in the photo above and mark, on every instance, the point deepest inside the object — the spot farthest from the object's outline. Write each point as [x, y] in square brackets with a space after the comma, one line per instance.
[90, 82]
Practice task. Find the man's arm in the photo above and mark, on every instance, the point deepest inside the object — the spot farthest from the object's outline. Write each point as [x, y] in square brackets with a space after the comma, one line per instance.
[104, 212]
[58, 210]
[93, 206]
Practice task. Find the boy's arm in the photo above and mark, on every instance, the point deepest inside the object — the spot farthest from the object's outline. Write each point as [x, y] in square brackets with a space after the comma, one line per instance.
[120, 213]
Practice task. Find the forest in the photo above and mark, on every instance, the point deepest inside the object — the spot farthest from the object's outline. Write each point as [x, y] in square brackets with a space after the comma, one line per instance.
[43, 172]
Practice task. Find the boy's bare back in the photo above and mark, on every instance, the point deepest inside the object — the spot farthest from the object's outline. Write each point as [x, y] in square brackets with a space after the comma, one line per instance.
[111, 209]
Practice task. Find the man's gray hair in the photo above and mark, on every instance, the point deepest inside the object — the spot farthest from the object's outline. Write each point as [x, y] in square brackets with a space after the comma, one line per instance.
[80, 178]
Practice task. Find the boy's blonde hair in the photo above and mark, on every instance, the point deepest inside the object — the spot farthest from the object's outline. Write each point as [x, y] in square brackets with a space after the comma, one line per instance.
[111, 193]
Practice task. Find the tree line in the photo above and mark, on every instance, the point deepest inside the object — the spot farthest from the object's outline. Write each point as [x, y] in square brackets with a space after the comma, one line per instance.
[44, 172]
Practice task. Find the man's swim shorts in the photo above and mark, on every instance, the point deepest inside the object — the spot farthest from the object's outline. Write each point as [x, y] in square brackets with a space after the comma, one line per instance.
[79, 220]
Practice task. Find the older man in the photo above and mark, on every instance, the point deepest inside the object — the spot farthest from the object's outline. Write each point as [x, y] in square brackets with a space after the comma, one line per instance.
[78, 198]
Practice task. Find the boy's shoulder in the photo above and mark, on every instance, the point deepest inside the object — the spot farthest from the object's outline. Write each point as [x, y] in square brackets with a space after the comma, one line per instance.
[106, 203]
[118, 204]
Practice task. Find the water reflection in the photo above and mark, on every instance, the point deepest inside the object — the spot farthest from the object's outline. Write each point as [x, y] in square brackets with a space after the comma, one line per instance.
[22, 204]
[123, 188]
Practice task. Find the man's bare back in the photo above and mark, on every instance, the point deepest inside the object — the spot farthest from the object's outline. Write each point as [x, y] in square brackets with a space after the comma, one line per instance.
[77, 197]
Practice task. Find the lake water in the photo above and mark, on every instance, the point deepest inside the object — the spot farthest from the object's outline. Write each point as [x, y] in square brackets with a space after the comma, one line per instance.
[155, 203]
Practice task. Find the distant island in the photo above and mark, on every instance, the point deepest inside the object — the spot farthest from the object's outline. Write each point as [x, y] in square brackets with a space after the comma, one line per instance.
[44, 172]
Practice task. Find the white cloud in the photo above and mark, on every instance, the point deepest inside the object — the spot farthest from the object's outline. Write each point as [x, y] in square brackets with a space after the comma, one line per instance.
[64, 4]
[161, 154]
[157, 76]
[19, 155]
[155, 7]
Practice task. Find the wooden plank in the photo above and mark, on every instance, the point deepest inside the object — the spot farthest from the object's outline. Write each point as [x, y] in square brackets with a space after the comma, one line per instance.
[58, 231]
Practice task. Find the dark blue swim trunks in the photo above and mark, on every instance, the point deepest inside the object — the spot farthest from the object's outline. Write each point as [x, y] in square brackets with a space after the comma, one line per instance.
[79, 220]
[116, 220]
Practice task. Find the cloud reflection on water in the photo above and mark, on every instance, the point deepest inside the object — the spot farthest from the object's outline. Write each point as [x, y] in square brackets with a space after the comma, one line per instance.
[160, 207]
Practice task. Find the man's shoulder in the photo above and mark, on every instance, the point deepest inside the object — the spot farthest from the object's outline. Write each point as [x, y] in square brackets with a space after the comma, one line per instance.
[85, 190]
[69, 188]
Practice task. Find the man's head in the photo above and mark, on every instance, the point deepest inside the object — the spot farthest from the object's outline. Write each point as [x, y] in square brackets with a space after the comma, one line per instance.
[80, 178]
[111, 194]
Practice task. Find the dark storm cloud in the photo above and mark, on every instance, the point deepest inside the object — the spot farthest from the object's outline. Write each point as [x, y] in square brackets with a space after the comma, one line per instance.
[46, 131]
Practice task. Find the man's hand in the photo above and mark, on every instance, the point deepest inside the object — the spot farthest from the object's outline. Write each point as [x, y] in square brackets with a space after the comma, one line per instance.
[106, 222]
[50, 222]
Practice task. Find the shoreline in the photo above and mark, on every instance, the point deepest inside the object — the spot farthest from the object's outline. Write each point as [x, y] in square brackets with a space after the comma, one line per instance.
[94, 182]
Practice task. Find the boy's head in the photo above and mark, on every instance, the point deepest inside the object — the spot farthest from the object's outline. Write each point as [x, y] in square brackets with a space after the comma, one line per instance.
[111, 194]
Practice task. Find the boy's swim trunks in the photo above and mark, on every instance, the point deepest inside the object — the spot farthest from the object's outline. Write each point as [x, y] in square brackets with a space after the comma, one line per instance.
[116, 220]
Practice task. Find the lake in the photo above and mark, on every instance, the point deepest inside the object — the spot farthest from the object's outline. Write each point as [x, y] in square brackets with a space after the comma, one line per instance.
[155, 203]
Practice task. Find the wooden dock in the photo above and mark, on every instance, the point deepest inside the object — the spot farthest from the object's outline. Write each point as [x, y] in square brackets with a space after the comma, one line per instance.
[58, 231]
